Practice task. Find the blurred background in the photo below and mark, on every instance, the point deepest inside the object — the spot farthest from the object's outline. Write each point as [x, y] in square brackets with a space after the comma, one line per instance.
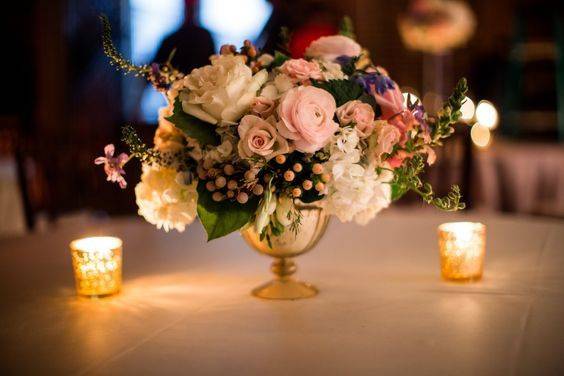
[63, 102]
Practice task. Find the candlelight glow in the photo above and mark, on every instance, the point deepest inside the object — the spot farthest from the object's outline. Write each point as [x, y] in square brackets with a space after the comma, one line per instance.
[462, 247]
[97, 265]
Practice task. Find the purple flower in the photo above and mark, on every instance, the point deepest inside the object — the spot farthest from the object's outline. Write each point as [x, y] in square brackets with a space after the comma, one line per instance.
[113, 166]
[375, 82]
[418, 112]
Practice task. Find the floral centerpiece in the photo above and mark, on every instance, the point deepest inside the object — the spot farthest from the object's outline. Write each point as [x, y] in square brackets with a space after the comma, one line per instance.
[254, 140]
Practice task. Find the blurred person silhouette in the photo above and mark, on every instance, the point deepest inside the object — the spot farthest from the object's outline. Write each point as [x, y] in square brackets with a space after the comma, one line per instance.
[306, 21]
[194, 44]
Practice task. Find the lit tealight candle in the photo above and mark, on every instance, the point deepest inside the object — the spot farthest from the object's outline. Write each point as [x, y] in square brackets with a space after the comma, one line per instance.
[462, 247]
[97, 265]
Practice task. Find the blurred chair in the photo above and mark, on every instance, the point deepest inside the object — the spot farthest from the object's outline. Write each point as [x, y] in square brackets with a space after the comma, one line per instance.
[16, 214]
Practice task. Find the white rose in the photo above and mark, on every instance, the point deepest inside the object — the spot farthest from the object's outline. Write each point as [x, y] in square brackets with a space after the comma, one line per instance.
[222, 92]
[165, 199]
[331, 47]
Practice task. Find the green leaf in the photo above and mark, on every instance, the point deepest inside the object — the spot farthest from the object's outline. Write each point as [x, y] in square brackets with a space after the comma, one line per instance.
[193, 127]
[342, 90]
[398, 191]
[225, 217]
[279, 59]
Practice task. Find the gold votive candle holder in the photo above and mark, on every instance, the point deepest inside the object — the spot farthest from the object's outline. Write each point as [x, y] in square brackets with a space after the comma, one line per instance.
[97, 263]
[462, 247]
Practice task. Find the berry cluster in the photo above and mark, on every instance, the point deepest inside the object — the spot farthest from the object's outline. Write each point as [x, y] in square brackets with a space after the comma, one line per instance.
[230, 183]
[299, 177]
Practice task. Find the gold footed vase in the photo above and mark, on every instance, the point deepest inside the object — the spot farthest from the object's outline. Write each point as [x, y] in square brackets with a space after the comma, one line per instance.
[284, 248]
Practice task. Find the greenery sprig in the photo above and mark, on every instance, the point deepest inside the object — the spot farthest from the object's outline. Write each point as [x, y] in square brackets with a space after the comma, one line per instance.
[449, 114]
[406, 178]
[115, 56]
[346, 27]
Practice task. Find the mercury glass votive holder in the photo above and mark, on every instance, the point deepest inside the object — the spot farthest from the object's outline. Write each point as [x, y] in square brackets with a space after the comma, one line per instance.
[462, 247]
[97, 265]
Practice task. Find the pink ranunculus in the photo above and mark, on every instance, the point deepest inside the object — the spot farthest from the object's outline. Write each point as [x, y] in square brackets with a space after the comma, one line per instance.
[331, 47]
[262, 107]
[258, 137]
[301, 70]
[306, 117]
[391, 102]
[359, 113]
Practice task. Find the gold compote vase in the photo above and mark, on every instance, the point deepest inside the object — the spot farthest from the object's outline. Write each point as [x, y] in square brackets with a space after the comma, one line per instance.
[284, 248]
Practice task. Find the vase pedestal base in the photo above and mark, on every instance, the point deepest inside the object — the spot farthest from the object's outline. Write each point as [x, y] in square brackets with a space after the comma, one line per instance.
[285, 289]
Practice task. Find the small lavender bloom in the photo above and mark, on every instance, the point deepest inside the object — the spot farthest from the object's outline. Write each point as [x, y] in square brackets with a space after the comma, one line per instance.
[375, 81]
[418, 112]
[113, 166]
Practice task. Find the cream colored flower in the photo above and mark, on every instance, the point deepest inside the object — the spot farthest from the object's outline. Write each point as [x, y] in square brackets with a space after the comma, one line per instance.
[222, 92]
[165, 199]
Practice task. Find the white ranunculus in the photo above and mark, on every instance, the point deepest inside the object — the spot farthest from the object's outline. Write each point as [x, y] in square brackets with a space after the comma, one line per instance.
[222, 92]
[331, 47]
[165, 199]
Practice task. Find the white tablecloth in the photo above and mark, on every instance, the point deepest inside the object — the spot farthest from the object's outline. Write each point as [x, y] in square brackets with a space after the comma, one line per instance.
[186, 309]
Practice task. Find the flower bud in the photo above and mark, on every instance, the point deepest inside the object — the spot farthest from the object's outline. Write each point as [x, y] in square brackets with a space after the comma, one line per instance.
[217, 196]
[307, 184]
[297, 167]
[296, 192]
[220, 182]
[242, 198]
[319, 187]
[280, 158]
[258, 189]
[317, 169]
[228, 169]
[210, 186]
[231, 184]
[289, 175]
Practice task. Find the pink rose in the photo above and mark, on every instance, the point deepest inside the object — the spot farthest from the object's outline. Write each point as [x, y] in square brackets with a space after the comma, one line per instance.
[306, 117]
[259, 138]
[359, 113]
[262, 107]
[387, 136]
[301, 70]
[331, 47]
[391, 102]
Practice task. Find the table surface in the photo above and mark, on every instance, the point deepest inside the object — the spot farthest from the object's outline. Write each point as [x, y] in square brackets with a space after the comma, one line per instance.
[186, 309]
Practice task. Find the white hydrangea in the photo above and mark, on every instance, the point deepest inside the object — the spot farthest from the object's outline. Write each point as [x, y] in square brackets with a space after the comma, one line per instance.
[355, 192]
[164, 199]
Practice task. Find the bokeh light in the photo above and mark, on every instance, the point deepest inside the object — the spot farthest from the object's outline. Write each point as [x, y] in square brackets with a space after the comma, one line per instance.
[481, 135]
[468, 109]
[486, 114]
